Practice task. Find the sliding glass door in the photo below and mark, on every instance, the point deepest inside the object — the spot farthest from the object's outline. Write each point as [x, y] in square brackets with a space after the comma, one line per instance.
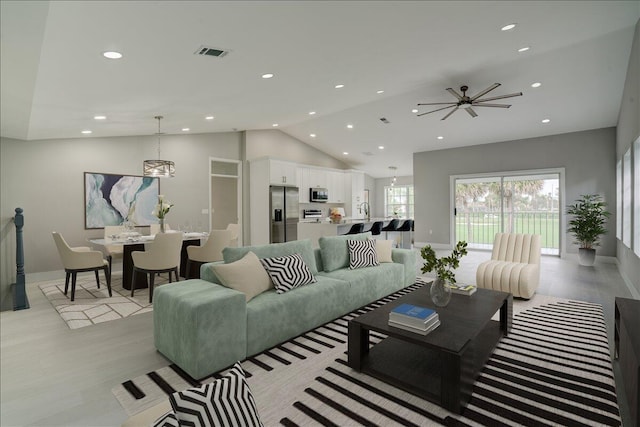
[527, 203]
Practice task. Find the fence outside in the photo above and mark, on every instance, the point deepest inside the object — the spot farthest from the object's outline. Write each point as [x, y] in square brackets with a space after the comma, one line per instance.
[478, 228]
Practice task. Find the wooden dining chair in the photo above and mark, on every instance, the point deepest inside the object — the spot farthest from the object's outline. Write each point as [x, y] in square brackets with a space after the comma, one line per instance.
[160, 256]
[209, 252]
[79, 259]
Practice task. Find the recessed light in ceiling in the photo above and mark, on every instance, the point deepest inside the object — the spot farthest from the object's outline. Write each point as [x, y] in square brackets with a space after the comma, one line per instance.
[185, 129]
[536, 84]
[440, 137]
[112, 55]
[380, 147]
[267, 75]
[414, 110]
[86, 132]
[508, 27]
[346, 153]
[311, 113]
[312, 135]
[380, 91]
[275, 125]
[349, 126]
[340, 86]
[524, 49]
[209, 118]
[546, 121]
[100, 117]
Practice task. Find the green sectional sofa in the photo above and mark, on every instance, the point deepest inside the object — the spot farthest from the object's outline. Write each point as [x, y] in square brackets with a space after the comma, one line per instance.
[203, 326]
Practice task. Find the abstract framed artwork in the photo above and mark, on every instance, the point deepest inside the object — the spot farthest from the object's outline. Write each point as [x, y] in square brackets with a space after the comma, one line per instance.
[111, 199]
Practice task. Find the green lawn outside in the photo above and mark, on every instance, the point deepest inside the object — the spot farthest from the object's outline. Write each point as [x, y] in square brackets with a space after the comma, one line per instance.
[484, 227]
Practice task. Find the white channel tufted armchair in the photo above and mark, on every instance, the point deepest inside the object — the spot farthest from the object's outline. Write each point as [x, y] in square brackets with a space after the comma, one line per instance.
[514, 265]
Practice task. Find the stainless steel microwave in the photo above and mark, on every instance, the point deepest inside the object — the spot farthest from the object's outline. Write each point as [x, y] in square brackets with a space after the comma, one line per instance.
[318, 195]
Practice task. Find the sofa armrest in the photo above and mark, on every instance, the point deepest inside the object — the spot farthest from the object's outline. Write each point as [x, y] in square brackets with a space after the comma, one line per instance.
[407, 257]
[200, 326]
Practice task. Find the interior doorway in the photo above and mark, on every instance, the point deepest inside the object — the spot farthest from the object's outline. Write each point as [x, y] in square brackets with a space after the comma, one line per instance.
[225, 194]
[515, 202]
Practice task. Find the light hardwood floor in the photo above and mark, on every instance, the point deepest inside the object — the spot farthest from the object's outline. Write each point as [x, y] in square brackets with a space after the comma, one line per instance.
[53, 376]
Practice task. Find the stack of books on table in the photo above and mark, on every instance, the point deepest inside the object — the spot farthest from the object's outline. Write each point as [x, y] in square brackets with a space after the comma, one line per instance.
[462, 289]
[412, 318]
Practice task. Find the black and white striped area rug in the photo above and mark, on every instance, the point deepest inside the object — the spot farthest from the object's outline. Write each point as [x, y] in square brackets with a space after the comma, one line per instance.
[554, 368]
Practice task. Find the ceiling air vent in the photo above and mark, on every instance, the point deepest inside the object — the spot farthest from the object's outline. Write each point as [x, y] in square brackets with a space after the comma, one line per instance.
[384, 120]
[211, 51]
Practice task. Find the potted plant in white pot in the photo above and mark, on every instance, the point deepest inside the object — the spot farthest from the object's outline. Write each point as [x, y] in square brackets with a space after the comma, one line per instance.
[587, 225]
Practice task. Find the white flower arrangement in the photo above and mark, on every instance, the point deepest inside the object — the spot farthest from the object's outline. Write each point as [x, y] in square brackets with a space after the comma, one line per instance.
[162, 208]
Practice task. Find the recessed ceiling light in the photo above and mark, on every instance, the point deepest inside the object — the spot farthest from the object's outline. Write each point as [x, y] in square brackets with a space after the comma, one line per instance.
[440, 137]
[380, 147]
[346, 153]
[312, 135]
[415, 110]
[380, 91]
[546, 121]
[340, 86]
[349, 126]
[524, 49]
[112, 55]
[275, 125]
[267, 75]
[311, 113]
[508, 27]
[86, 132]
[536, 84]
[185, 129]
[100, 117]
[209, 118]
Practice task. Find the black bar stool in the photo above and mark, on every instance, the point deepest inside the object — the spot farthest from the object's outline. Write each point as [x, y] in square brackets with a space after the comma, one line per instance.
[392, 226]
[355, 229]
[406, 226]
[376, 228]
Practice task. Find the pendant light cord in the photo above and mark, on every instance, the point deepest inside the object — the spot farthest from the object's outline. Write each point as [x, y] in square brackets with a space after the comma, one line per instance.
[159, 133]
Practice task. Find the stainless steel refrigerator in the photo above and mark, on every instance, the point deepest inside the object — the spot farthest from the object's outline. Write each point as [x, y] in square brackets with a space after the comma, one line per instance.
[284, 214]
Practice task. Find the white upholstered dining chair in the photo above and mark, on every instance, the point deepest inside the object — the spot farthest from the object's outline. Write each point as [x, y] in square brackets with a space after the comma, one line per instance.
[160, 256]
[79, 259]
[209, 252]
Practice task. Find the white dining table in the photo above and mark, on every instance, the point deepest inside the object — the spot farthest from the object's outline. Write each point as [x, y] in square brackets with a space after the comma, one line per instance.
[131, 242]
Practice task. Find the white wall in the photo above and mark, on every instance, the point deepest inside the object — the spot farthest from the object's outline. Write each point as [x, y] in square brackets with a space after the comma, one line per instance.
[46, 179]
[588, 158]
[628, 131]
[380, 194]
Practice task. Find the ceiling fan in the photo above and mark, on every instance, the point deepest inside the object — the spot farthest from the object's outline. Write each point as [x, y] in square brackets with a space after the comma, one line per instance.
[466, 102]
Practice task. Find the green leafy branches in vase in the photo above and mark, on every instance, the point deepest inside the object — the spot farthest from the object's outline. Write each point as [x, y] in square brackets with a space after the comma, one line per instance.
[161, 210]
[445, 271]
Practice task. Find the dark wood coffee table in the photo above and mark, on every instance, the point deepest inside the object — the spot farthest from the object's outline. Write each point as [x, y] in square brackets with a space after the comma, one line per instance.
[443, 365]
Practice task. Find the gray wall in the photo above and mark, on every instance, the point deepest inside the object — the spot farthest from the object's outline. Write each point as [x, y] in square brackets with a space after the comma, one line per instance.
[46, 179]
[588, 159]
[628, 130]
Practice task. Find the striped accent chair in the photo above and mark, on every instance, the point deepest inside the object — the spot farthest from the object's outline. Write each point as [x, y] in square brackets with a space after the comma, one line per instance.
[514, 265]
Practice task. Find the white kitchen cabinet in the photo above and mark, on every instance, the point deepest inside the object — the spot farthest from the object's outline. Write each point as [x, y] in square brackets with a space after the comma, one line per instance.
[303, 180]
[354, 193]
[282, 173]
[318, 178]
[335, 185]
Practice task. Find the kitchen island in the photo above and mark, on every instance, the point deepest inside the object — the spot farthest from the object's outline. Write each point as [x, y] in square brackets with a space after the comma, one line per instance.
[314, 229]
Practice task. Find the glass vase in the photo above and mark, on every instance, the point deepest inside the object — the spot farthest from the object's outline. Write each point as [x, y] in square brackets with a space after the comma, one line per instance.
[440, 292]
[161, 225]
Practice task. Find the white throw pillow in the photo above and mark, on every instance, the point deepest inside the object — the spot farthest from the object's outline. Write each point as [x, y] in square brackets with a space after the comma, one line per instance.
[383, 249]
[245, 275]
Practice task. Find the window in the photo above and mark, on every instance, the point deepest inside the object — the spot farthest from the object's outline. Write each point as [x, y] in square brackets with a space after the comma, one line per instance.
[399, 201]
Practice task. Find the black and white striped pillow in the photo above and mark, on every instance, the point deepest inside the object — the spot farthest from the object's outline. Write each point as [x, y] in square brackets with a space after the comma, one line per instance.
[362, 253]
[167, 420]
[225, 402]
[288, 272]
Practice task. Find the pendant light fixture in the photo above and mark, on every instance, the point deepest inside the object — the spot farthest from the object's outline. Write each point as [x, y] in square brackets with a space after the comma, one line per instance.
[394, 179]
[159, 168]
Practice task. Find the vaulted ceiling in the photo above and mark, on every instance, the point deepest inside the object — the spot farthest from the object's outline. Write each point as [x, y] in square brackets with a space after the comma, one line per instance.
[55, 79]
